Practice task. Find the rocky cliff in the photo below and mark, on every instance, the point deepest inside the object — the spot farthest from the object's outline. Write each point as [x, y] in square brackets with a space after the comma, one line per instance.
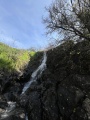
[62, 92]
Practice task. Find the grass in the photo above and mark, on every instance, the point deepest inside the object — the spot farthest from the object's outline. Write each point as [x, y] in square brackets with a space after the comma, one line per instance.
[12, 58]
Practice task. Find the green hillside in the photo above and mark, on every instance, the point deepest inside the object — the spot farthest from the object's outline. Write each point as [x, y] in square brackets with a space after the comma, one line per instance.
[12, 58]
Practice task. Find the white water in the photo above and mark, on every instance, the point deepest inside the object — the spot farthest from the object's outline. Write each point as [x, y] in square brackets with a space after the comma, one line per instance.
[11, 106]
[36, 74]
[26, 117]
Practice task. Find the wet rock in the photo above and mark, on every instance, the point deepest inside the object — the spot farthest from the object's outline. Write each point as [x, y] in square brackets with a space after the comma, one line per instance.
[15, 114]
[2, 110]
[14, 118]
[22, 115]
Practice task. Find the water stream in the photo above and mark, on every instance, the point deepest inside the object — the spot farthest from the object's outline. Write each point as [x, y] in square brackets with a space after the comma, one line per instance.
[36, 74]
[26, 117]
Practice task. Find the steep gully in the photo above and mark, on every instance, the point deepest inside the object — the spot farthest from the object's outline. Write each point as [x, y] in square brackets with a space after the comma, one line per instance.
[36, 74]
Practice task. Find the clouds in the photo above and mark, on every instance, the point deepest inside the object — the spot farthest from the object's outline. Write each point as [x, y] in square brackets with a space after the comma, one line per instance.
[23, 20]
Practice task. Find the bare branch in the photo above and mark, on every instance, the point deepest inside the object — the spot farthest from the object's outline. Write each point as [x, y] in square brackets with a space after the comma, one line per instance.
[72, 18]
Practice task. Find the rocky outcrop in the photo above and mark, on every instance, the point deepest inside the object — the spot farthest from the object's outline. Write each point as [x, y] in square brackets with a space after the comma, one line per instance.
[59, 101]
[63, 90]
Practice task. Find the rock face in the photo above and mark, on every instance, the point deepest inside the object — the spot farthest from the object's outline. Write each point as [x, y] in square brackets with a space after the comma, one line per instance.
[63, 90]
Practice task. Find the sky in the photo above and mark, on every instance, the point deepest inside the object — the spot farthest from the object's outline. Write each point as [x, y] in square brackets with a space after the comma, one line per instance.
[21, 23]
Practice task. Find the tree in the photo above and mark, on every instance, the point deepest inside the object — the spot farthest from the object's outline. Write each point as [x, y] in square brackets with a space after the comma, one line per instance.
[72, 18]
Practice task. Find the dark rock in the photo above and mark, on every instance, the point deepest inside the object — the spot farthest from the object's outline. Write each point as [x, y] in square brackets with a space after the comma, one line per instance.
[49, 101]
[86, 107]
[68, 98]
[3, 104]
[79, 114]
[62, 92]
[34, 106]
[23, 100]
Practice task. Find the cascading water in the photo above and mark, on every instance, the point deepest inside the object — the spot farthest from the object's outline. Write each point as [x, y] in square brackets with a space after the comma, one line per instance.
[26, 117]
[36, 74]
[9, 109]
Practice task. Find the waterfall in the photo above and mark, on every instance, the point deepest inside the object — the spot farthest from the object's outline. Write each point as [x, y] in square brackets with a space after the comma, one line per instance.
[26, 117]
[36, 74]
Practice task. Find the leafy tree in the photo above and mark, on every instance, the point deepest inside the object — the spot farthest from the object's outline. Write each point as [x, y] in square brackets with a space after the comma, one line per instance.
[70, 18]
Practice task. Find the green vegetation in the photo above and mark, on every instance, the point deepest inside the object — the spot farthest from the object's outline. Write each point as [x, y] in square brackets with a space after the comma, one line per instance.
[13, 59]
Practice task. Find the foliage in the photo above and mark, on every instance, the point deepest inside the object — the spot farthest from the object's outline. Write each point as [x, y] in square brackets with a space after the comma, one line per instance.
[13, 59]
